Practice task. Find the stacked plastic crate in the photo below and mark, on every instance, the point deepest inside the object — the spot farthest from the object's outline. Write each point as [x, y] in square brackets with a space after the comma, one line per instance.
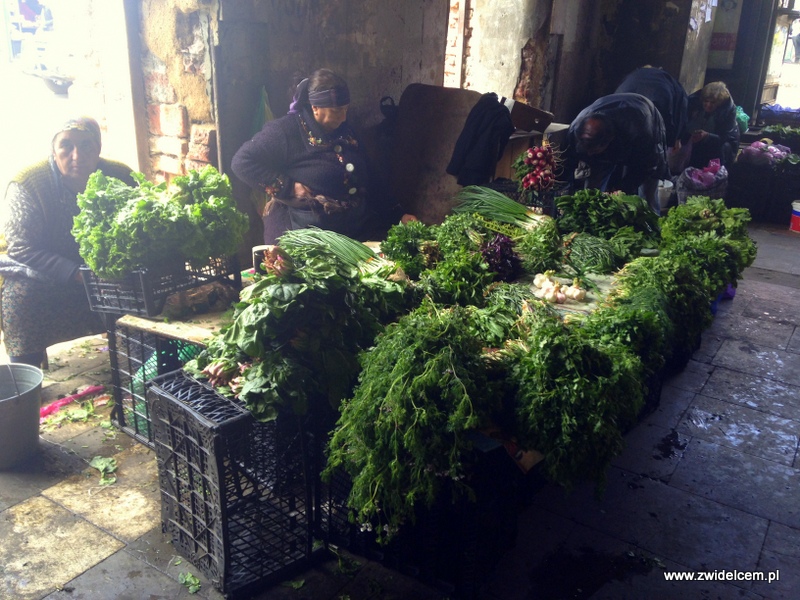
[136, 354]
[236, 493]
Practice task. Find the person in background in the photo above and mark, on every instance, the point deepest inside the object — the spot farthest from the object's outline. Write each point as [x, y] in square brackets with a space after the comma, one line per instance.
[663, 90]
[311, 165]
[617, 143]
[711, 128]
[795, 37]
[44, 301]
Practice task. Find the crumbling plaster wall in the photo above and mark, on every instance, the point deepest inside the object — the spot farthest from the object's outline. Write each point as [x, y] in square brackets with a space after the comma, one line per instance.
[561, 55]
[538, 51]
[498, 31]
[176, 37]
[173, 33]
[542, 52]
[700, 28]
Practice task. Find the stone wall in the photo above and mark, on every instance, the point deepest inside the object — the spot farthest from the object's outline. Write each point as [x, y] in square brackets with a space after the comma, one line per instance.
[207, 64]
[178, 81]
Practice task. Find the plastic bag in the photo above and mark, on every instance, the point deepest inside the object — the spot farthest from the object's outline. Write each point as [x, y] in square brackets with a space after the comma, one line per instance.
[742, 120]
[263, 112]
[710, 181]
[678, 157]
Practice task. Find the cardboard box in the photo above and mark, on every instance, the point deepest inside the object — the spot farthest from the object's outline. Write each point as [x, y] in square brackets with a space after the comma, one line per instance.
[528, 118]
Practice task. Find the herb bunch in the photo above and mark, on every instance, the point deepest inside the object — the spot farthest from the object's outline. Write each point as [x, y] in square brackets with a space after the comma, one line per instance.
[296, 334]
[404, 431]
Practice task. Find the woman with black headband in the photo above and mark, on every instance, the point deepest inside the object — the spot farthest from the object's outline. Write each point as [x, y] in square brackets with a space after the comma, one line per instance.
[43, 298]
[309, 164]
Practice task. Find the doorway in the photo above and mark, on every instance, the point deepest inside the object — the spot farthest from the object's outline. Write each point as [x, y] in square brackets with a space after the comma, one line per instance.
[61, 59]
[782, 81]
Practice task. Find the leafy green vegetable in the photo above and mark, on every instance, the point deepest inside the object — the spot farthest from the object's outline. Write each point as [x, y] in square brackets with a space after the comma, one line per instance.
[294, 338]
[504, 305]
[629, 243]
[540, 247]
[190, 582]
[603, 215]
[408, 370]
[422, 388]
[459, 279]
[587, 253]
[107, 466]
[405, 243]
[121, 228]
[495, 206]
[466, 231]
[680, 283]
[701, 214]
[711, 238]
[639, 320]
[575, 395]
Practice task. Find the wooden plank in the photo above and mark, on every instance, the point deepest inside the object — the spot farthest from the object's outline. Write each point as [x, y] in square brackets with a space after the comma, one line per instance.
[196, 331]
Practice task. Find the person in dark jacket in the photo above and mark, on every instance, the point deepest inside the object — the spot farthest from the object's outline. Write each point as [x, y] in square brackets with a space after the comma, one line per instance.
[617, 143]
[310, 164]
[44, 301]
[665, 92]
[712, 129]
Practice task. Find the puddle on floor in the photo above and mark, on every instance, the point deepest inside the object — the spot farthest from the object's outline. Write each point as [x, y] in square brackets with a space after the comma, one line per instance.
[565, 575]
[669, 447]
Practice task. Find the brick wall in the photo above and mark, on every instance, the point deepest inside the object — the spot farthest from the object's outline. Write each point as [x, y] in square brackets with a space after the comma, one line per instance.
[176, 145]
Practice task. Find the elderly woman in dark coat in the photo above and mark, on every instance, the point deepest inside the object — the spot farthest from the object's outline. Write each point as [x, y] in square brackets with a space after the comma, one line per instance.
[712, 127]
[310, 164]
[44, 301]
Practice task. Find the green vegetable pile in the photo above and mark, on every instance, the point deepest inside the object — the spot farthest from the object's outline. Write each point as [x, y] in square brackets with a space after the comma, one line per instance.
[295, 335]
[121, 229]
[410, 354]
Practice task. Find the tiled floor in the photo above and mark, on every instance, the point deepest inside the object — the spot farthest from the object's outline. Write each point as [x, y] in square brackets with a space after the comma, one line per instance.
[710, 481]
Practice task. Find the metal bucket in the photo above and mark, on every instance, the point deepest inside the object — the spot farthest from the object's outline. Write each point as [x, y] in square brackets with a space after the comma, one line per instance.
[20, 400]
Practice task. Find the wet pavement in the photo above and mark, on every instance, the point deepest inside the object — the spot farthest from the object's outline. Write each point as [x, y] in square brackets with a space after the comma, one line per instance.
[708, 482]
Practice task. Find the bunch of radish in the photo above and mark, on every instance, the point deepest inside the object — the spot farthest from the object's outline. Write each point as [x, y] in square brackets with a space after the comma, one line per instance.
[541, 164]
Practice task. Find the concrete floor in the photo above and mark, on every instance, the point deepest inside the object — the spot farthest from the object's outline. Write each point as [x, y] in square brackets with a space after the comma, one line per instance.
[708, 482]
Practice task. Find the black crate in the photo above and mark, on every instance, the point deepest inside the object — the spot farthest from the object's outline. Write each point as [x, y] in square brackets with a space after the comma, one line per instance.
[235, 498]
[786, 189]
[455, 543]
[750, 186]
[332, 524]
[144, 292]
[138, 356]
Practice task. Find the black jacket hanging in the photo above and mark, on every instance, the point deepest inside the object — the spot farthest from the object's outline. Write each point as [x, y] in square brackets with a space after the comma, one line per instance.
[482, 141]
